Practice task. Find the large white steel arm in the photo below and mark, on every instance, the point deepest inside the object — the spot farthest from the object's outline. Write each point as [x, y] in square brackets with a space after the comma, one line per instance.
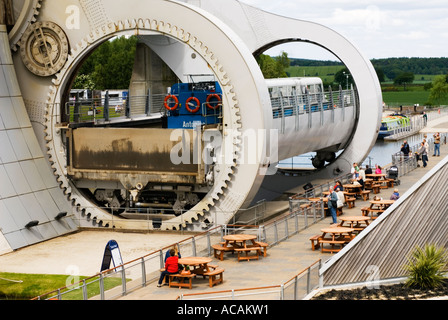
[261, 30]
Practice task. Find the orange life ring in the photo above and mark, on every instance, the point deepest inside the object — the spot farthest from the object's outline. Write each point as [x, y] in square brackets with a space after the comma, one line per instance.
[176, 102]
[187, 105]
[209, 97]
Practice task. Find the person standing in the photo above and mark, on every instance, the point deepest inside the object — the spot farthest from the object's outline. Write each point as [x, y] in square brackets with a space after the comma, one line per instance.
[437, 145]
[422, 152]
[405, 149]
[333, 204]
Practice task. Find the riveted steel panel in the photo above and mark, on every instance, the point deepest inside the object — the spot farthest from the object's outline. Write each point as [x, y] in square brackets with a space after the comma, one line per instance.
[7, 112]
[20, 147]
[17, 178]
[45, 200]
[116, 153]
[32, 175]
[16, 239]
[6, 186]
[7, 223]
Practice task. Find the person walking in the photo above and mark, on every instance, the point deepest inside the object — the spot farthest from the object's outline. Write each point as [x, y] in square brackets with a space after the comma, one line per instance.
[422, 153]
[436, 145]
[333, 204]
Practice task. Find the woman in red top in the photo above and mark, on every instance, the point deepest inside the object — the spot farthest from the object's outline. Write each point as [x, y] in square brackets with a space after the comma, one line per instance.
[171, 267]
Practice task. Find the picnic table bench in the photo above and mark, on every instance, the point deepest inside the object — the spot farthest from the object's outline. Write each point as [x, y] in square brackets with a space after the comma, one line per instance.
[215, 276]
[240, 244]
[246, 252]
[181, 277]
[350, 199]
[337, 236]
[365, 194]
[219, 249]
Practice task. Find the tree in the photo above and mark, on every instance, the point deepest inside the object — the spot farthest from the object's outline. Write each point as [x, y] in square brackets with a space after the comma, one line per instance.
[273, 67]
[404, 78]
[110, 65]
[343, 78]
[439, 90]
[380, 74]
[84, 81]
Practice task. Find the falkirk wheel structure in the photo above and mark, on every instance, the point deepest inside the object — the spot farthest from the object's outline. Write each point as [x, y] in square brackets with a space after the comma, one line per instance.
[60, 171]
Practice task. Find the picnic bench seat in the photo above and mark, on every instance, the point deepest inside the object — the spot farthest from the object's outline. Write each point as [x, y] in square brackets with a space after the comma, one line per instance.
[215, 276]
[315, 241]
[332, 242]
[218, 251]
[390, 182]
[365, 211]
[365, 194]
[264, 246]
[350, 202]
[180, 280]
[376, 188]
[246, 251]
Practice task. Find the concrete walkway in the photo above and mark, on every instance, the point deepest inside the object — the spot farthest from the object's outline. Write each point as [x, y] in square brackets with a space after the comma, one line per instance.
[284, 260]
[82, 253]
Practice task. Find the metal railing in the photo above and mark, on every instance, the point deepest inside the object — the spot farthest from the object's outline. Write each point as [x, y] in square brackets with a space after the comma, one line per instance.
[288, 106]
[141, 271]
[296, 288]
[107, 108]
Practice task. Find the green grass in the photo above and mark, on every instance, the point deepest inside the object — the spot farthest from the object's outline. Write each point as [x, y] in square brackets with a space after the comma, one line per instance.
[406, 97]
[326, 73]
[33, 285]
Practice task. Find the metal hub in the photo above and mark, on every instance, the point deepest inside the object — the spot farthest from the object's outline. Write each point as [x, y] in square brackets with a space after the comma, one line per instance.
[44, 48]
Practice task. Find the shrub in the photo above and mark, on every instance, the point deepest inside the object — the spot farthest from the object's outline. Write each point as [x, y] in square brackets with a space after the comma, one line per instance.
[426, 267]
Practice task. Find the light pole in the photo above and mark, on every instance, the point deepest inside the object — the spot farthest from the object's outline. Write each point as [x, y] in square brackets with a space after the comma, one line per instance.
[346, 77]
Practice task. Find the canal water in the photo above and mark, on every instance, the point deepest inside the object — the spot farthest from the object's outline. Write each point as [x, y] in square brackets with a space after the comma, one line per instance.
[380, 154]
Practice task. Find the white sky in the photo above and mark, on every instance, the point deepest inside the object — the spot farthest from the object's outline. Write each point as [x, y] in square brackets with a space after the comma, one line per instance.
[378, 28]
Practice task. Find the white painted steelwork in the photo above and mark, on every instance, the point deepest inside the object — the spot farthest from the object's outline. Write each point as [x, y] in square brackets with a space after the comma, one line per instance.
[195, 37]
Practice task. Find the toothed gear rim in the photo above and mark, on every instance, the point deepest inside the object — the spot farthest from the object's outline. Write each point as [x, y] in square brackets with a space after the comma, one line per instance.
[53, 138]
[28, 14]
[44, 48]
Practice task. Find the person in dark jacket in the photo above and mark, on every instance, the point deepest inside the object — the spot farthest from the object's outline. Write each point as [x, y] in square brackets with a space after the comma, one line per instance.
[171, 267]
[332, 204]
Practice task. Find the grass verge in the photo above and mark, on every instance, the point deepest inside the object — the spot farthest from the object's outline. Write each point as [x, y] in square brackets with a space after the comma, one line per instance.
[23, 286]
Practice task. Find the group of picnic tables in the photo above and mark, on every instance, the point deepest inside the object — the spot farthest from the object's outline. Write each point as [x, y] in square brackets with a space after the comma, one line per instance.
[339, 234]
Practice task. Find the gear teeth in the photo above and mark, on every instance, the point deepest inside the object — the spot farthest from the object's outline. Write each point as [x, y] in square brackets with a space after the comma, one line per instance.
[203, 208]
[32, 7]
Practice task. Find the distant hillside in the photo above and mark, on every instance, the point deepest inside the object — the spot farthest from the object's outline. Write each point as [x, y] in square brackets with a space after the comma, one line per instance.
[313, 63]
[423, 68]
[390, 66]
[393, 66]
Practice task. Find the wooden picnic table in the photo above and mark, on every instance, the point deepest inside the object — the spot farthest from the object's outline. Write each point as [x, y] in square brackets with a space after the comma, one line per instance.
[353, 188]
[240, 244]
[358, 223]
[335, 236]
[379, 206]
[197, 266]
[376, 176]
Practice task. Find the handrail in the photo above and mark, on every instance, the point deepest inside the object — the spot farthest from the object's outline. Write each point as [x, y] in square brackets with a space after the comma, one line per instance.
[125, 264]
[275, 227]
[281, 286]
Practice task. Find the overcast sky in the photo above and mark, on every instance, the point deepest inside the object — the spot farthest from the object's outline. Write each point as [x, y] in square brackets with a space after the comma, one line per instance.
[378, 28]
